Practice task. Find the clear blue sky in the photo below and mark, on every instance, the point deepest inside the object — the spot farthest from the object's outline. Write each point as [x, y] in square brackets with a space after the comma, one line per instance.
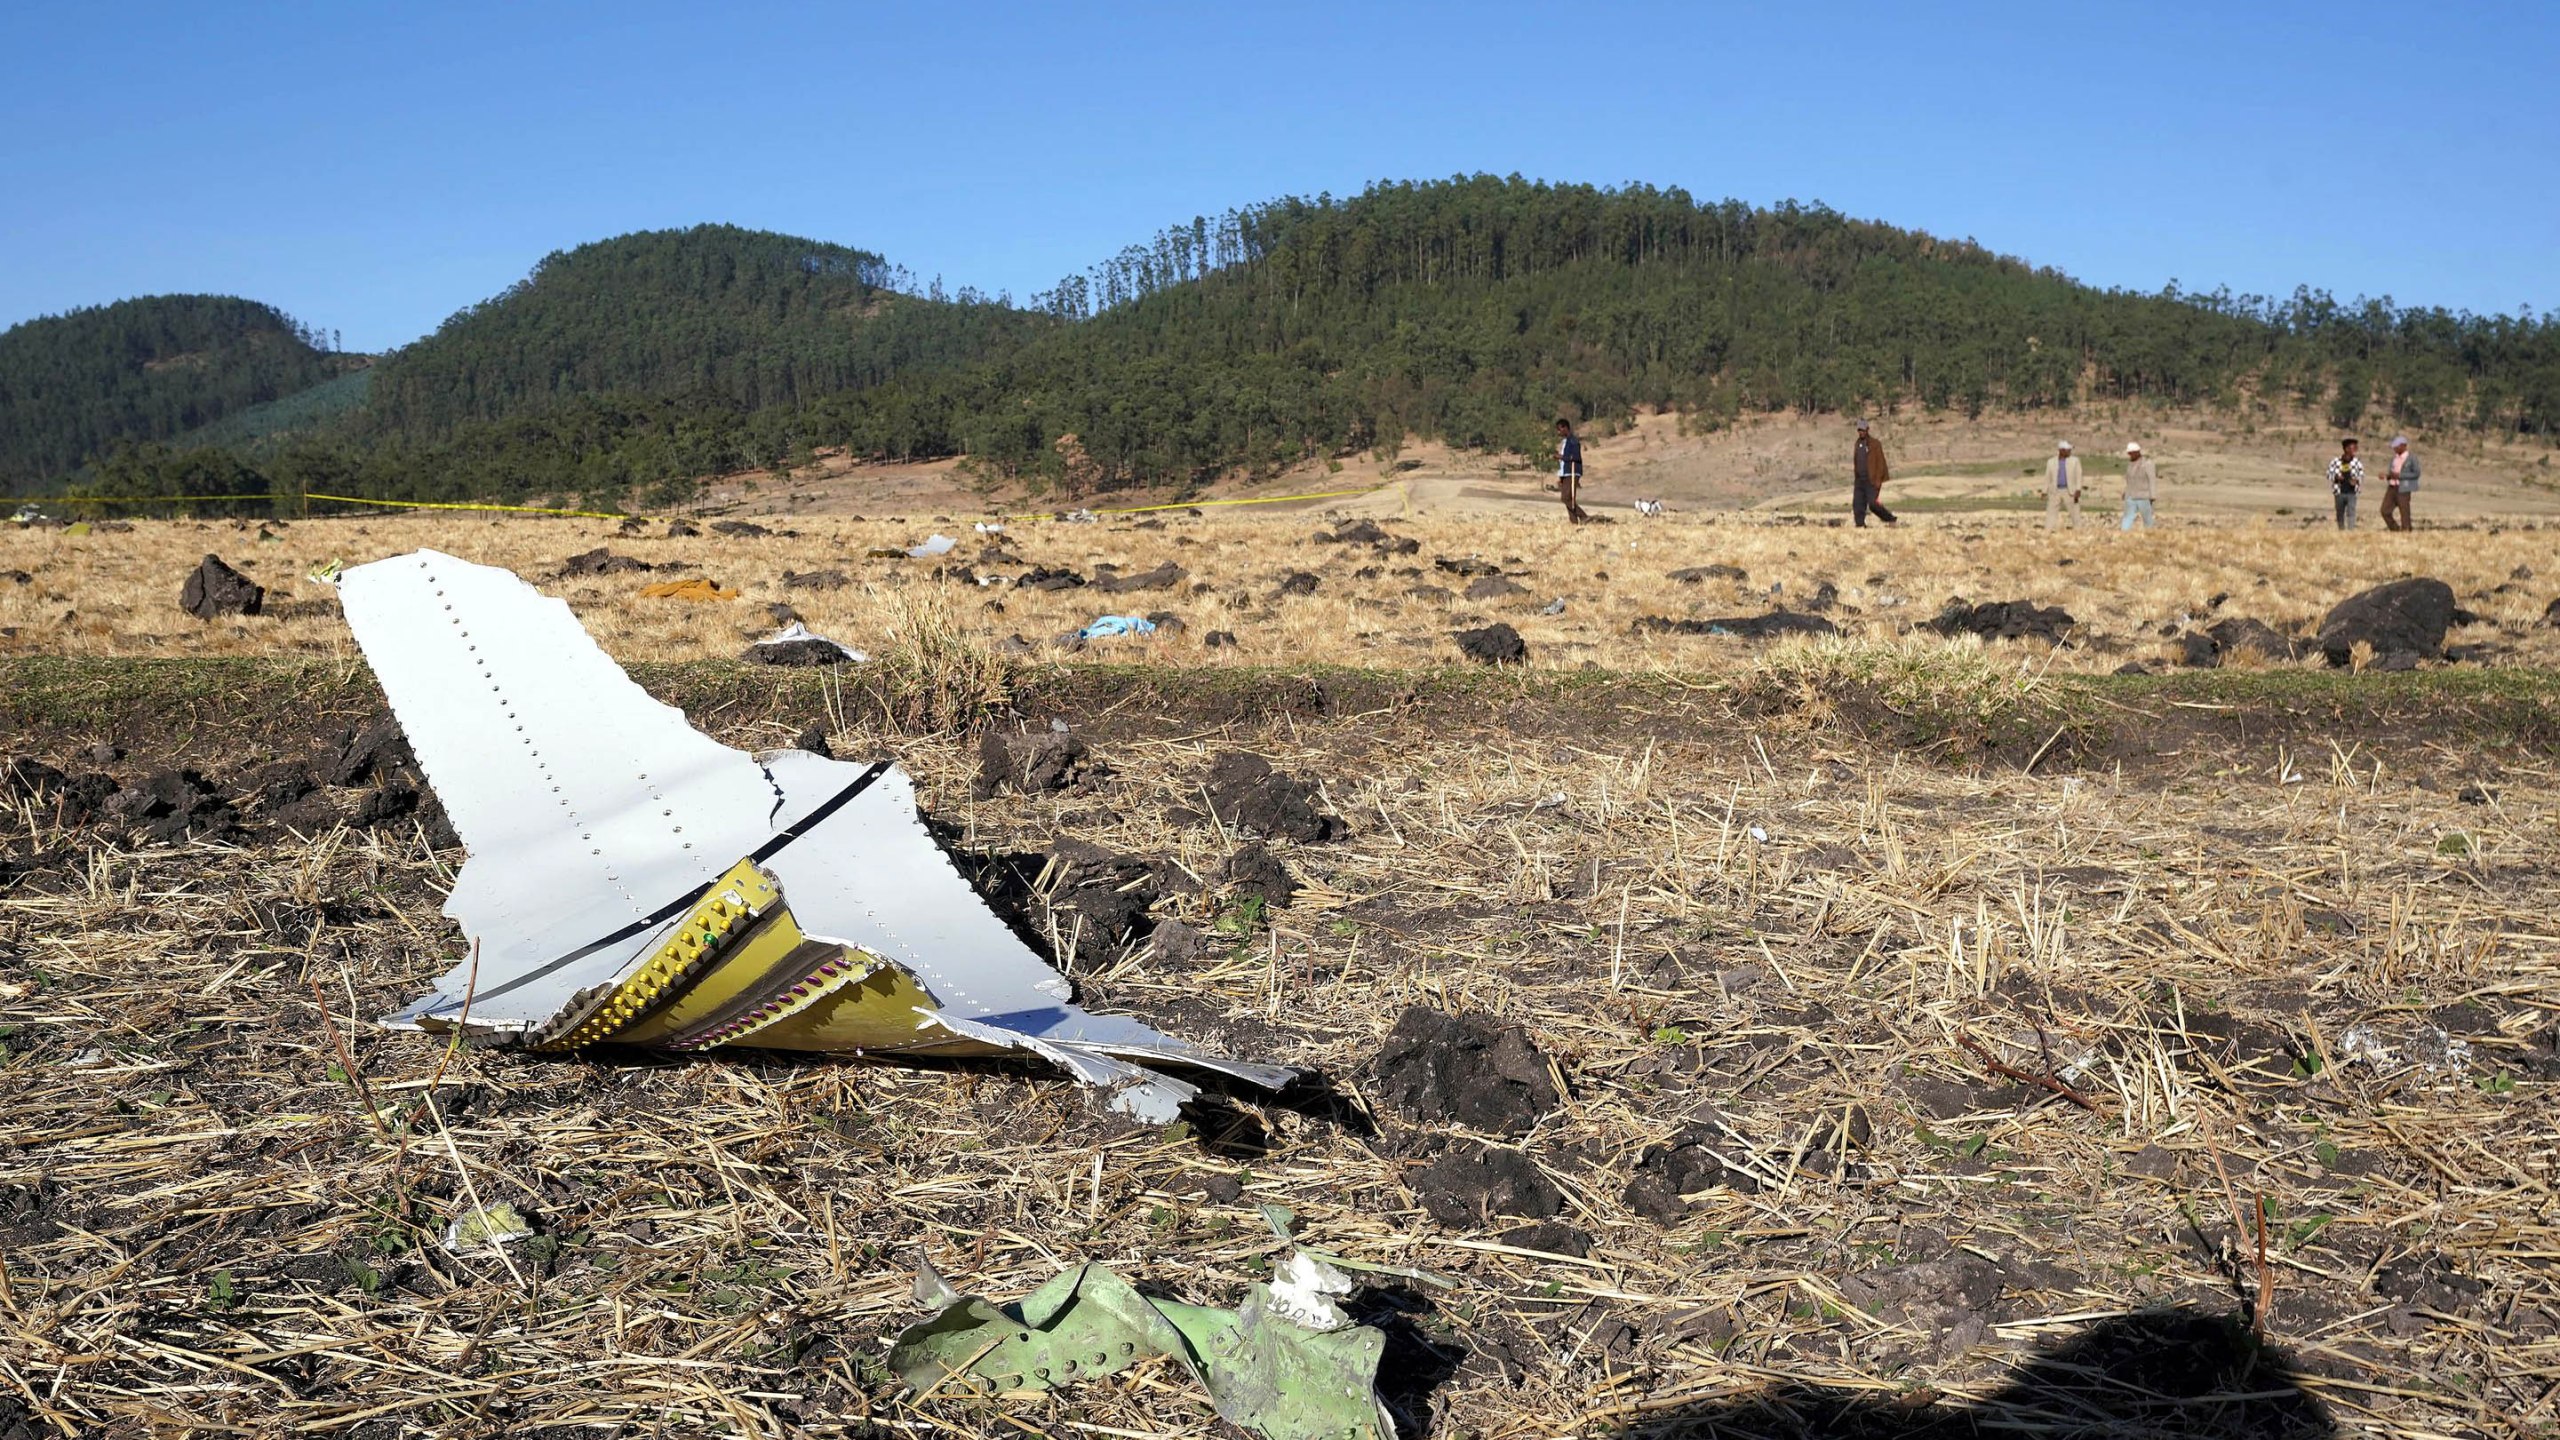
[374, 167]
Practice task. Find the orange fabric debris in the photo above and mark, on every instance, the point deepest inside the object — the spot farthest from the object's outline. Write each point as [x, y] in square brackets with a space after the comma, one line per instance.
[696, 588]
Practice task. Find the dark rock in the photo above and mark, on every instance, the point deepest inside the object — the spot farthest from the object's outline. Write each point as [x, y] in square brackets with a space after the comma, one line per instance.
[600, 561]
[1255, 873]
[1176, 943]
[1437, 593]
[2405, 617]
[1222, 1189]
[1494, 587]
[1549, 1237]
[1163, 577]
[1495, 644]
[1041, 577]
[2004, 620]
[1746, 627]
[1697, 573]
[1439, 1069]
[1245, 792]
[1298, 583]
[1472, 1183]
[815, 580]
[1167, 623]
[1040, 761]
[2197, 651]
[1399, 545]
[2396, 662]
[1358, 532]
[2242, 635]
[739, 529]
[1466, 565]
[631, 525]
[681, 530]
[215, 589]
[2551, 615]
[1219, 640]
[2133, 667]
[1683, 1166]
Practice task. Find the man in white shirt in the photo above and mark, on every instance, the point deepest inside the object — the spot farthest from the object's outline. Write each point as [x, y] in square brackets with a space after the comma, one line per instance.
[2062, 487]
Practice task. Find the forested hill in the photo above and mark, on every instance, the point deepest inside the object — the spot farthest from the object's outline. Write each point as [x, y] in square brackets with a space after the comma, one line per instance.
[1476, 310]
[748, 318]
[1472, 310]
[73, 385]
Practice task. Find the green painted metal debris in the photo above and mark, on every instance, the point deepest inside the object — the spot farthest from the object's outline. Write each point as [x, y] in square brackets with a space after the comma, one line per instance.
[1286, 1363]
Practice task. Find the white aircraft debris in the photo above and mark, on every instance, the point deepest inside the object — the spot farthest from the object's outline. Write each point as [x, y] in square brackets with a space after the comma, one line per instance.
[633, 881]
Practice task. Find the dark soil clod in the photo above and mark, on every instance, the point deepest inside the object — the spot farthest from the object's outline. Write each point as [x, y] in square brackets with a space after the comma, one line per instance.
[2405, 617]
[1440, 1069]
[2005, 620]
[1494, 644]
[1245, 792]
[1254, 873]
[1035, 763]
[1472, 1183]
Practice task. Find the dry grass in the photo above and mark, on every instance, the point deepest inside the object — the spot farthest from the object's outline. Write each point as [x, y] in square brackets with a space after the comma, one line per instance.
[116, 593]
[205, 1233]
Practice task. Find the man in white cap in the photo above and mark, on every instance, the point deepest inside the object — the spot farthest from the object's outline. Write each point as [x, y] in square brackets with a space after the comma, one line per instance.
[2062, 487]
[1867, 475]
[2141, 484]
[2402, 483]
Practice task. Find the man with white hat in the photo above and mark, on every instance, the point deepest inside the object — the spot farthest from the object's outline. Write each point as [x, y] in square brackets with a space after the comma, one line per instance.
[2062, 487]
[2402, 483]
[2141, 484]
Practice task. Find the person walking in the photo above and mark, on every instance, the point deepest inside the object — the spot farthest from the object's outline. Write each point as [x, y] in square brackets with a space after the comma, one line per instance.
[2346, 477]
[1867, 474]
[1569, 471]
[2062, 487]
[2141, 485]
[2399, 485]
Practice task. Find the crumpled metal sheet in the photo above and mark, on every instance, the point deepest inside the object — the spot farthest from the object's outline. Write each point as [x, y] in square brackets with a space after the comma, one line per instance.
[1262, 1369]
[631, 877]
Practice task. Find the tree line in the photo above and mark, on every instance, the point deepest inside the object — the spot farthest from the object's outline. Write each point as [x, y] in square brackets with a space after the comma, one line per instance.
[1472, 310]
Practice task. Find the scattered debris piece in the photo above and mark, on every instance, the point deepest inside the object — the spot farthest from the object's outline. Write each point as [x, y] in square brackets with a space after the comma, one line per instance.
[1441, 1069]
[1698, 573]
[1108, 626]
[481, 1230]
[795, 644]
[1261, 1364]
[2405, 617]
[214, 589]
[1219, 640]
[699, 588]
[1465, 566]
[681, 530]
[789, 902]
[1495, 644]
[1299, 582]
[1494, 587]
[935, 544]
[815, 580]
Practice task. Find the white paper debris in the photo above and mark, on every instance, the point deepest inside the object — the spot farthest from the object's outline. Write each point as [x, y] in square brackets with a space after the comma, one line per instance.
[938, 545]
[1307, 1292]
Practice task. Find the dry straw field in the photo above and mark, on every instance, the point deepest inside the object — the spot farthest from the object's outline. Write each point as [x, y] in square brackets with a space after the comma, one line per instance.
[1939, 1036]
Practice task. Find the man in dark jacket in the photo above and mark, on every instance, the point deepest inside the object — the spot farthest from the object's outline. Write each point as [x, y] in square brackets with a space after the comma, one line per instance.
[1867, 474]
[2400, 485]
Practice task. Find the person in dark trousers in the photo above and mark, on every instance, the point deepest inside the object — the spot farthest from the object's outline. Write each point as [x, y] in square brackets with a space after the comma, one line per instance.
[1868, 473]
[1569, 471]
[2346, 477]
[2399, 485]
